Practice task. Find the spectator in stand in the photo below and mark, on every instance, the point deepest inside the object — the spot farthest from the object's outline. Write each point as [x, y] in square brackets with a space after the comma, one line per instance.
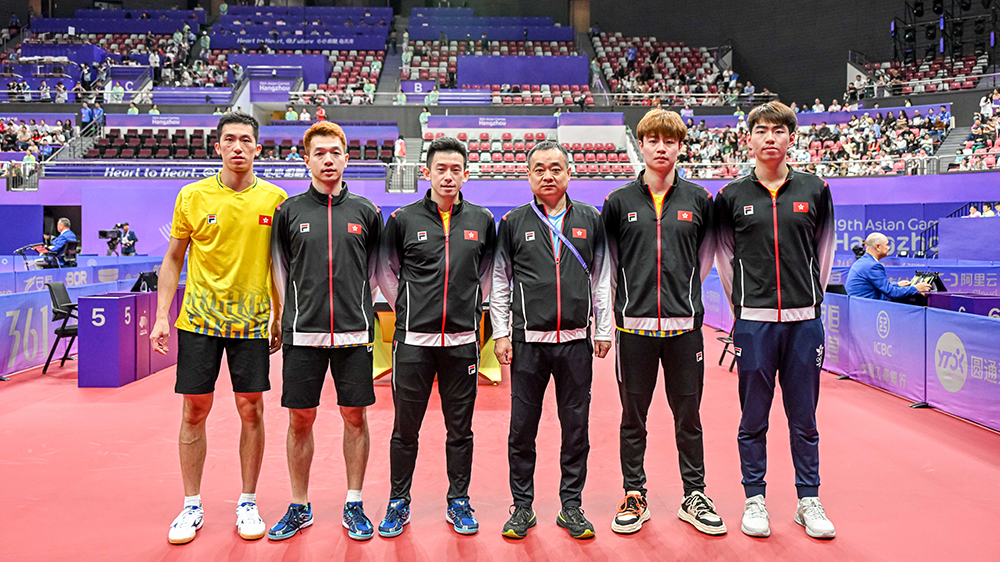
[294, 154]
[400, 97]
[98, 114]
[399, 150]
[818, 106]
[218, 111]
[320, 113]
[424, 116]
[44, 92]
[369, 90]
[223, 8]
[86, 115]
[119, 93]
[974, 212]
[154, 110]
[132, 109]
[291, 115]
[304, 116]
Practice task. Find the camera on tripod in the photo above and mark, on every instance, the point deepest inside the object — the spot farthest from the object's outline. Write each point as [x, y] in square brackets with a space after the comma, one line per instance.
[113, 236]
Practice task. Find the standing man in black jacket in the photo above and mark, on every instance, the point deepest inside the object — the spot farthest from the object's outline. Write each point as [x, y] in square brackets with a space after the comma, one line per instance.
[434, 268]
[554, 252]
[324, 246]
[661, 240]
[775, 253]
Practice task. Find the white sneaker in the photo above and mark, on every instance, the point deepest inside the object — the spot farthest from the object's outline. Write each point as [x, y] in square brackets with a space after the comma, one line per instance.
[810, 515]
[248, 522]
[184, 528]
[756, 522]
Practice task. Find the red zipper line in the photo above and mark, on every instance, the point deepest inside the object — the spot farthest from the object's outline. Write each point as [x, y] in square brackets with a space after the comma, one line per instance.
[447, 263]
[777, 261]
[329, 256]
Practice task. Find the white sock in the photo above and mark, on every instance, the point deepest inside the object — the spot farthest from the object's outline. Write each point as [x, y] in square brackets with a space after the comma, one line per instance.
[247, 498]
[353, 496]
[192, 500]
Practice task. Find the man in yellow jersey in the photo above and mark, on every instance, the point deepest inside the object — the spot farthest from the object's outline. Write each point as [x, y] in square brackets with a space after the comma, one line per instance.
[225, 220]
[660, 240]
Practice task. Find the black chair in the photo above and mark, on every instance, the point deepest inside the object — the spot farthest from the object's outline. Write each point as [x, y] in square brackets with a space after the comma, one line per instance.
[62, 309]
[728, 340]
[69, 254]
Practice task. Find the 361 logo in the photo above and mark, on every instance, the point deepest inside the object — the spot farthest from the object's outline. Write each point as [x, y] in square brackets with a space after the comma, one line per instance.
[951, 362]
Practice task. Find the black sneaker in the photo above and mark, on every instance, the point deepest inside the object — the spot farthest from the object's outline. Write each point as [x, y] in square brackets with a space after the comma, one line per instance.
[632, 513]
[522, 518]
[572, 519]
[699, 511]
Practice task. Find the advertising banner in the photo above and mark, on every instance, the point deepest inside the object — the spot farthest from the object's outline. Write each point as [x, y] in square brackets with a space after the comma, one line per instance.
[888, 346]
[961, 362]
[473, 70]
[270, 90]
[837, 356]
[534, 122]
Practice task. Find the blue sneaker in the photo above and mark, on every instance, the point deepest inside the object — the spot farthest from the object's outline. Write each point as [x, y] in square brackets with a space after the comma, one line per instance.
[396, 515]
[297, 517]
[358, 526]
[460, 515]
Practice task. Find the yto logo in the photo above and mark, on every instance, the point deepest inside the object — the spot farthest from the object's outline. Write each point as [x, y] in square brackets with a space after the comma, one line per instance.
[882, 324]
[951, 362]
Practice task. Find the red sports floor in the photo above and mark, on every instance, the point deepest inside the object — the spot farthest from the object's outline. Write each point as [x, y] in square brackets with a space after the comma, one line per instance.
[92, 474]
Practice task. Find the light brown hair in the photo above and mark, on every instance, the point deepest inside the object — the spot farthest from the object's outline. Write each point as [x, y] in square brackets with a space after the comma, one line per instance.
[324, 129]
[661, 123]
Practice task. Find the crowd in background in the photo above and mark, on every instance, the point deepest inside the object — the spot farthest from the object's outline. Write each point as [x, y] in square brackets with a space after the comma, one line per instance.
[866, 145]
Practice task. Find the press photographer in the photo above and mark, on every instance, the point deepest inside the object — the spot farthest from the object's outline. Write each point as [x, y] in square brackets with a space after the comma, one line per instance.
[120, 234]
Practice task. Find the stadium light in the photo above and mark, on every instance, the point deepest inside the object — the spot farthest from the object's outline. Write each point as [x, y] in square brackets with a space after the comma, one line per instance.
[918, 9]
[937, 6]
[979, 26]
[956, 49]
[929, 54]
[965, 5]
[957, 28]
[980, 47]
[930, 32]
[910, 35]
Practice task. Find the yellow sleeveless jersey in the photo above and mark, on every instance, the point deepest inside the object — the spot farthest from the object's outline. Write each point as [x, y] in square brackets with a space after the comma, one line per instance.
[228, 291]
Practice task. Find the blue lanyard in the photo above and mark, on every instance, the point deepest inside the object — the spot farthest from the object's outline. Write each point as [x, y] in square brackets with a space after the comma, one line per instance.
[562, 237]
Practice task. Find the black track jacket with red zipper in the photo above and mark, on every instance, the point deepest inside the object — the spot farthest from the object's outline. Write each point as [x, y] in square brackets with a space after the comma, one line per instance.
[659, 263]
[323, 253]
[553, 296]
[775, 253]
[436, 281]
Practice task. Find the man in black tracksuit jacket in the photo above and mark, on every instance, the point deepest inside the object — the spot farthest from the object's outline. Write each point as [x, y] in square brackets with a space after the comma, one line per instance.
[554, 297]
[324, 247]
[435, 263]
[775, 253]
[660, 231]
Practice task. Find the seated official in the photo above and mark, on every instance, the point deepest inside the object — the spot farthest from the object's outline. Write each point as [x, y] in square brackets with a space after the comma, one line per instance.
[56, 254]
[867, 277]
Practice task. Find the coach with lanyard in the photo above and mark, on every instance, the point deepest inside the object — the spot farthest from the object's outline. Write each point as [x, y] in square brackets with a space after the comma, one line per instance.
[554, 253]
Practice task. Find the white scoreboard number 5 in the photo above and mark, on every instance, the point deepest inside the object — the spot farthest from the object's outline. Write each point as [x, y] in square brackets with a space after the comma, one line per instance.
[98, 319]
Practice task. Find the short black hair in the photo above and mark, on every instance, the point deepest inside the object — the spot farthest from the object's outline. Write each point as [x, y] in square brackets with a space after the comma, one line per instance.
[447, 144]
[240, 118]
[549, 145]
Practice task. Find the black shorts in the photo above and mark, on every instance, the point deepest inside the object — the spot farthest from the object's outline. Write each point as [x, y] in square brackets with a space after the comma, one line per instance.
[199, 358]
[304, 370]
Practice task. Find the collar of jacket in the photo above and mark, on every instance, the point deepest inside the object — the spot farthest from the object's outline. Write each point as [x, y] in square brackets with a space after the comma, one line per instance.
[541, 206]
[321, 197]
[432, 206]
[788, 178]
[640, 181]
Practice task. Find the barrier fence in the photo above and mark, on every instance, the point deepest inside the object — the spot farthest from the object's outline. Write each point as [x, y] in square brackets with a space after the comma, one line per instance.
[943, 358]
